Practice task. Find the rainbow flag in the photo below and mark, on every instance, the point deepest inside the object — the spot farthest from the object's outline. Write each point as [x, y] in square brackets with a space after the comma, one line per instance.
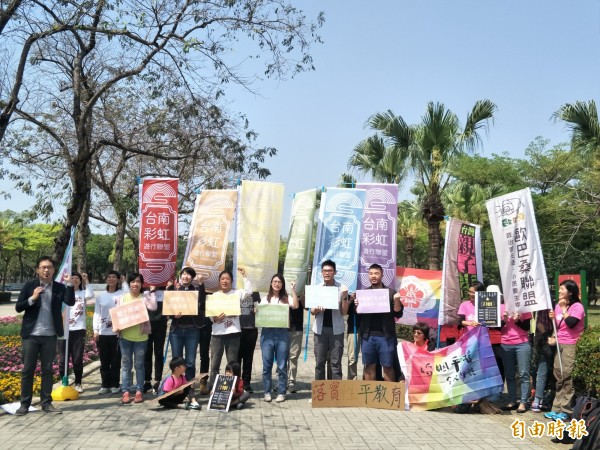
[66, 269]
[460, 373]
[420, 292]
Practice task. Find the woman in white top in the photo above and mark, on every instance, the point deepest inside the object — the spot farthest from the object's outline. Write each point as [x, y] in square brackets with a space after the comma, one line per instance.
[275, 342]
[106, 339]
[226, 330]
[77, 328]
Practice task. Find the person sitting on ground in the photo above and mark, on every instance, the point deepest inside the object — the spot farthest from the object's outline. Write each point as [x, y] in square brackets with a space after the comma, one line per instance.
[421, 337]
[239, 396]
[184, 399]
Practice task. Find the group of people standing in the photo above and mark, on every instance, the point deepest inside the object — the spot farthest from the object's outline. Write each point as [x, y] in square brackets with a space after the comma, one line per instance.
[122, 351]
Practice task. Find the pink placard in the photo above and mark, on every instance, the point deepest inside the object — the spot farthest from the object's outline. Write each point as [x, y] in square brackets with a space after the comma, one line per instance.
[373, 301]
[128, 315]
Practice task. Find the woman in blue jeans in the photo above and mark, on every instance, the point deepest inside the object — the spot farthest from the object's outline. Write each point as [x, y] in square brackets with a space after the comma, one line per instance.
[517, 352]
[185, 330]
[275, 342]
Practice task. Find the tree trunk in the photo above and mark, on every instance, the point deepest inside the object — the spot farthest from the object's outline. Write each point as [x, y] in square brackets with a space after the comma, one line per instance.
[435, 244]
[83, 235]
[409, 248]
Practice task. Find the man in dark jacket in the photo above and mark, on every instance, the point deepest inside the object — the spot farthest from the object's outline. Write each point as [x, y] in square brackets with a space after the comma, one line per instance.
[42, 300]
[378, 331]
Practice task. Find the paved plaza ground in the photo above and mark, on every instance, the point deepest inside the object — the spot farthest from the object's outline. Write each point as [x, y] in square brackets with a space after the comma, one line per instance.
[100, 421]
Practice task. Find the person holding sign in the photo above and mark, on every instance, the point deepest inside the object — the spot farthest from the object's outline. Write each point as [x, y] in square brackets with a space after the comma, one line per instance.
[378, 330]
[226, 330]
[568, 315]
[516, 353]
[466, 310]
[274, 341]
[132, 340]
[185, 331]
[106, 338]
[185, 398]
[328, 327]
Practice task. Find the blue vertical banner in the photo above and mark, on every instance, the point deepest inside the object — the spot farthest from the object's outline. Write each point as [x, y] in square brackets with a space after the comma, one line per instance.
[338, 234]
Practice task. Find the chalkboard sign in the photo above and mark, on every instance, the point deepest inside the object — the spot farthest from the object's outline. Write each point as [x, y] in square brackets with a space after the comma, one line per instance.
[222, 391]
[487, 308]
[247, 319]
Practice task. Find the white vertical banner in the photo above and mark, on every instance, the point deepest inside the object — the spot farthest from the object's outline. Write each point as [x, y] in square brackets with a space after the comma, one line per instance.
[66, 269]
[520, 259]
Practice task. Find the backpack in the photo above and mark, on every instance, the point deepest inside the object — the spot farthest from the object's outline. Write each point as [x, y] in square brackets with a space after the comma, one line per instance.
[161, 391]
[588, 409]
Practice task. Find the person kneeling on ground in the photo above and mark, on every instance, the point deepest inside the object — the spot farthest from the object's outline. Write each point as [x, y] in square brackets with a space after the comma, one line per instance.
[239, 396]
[184, 399]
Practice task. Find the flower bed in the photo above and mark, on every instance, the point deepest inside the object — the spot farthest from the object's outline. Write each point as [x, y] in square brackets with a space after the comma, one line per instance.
[11, 363]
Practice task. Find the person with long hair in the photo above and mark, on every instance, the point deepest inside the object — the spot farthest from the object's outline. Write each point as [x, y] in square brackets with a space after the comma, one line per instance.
[274, 342]
[133, 340]
[77, 329]
[569, 317]
[104, 335]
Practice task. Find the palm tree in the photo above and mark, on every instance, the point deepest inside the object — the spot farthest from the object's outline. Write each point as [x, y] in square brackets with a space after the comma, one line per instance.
[582, 120]
[384, 163]
[426, 150]
[408, 225]
[466, 201]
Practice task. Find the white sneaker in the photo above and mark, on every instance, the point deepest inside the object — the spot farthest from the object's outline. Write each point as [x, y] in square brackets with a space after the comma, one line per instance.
[267, 398]
[280, 398]
[103, 391]
[79, 388]
[115, 390]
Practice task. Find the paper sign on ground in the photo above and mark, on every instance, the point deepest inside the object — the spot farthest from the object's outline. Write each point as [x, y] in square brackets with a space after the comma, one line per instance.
[373, 301]
[129, 315]
[322, 296]
[273, 316]
[219, 303]
[222, 392]
[358, 393]
[487, 309]
[180, 302]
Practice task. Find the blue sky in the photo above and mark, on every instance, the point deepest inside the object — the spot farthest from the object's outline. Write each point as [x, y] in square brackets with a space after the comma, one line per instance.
[529, 57]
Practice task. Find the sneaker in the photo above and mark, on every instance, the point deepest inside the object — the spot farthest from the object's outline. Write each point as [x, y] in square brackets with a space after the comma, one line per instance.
[115, 390]
[79, 388]
[194, 406]
[248, 388]
[280, 398]
[126, 398]
[551, 415]
[50, 408]
[239, 406]
[536, 407]
[23, 409]
[292, 387]
[139, 398]
[147, 387]
[103, 391]
[562, 416]
[267, 398]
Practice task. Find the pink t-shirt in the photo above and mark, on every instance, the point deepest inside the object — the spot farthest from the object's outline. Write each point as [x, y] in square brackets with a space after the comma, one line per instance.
[565, 334]
[467, 309]
[173, 382]
[513, 334]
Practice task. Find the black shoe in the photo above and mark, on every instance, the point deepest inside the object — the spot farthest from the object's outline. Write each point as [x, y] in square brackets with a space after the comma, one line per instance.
[249, 389]
[50, 408]
[565, 440]
[147, 387]
[23, 409]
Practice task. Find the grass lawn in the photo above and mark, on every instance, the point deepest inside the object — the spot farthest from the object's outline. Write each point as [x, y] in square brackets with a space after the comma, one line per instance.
[594, 315]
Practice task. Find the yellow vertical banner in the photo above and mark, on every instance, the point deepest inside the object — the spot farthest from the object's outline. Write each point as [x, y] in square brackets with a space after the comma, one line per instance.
[257, 232]
[209, 235]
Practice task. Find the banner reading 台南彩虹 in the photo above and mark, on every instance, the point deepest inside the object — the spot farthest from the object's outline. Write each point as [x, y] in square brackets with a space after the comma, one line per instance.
[462, 267]
[209, 235]
[299, 244]
[158, 230]
[460, 373]
[520, 259]
[378, 232]
[257, 232]
[338, 234]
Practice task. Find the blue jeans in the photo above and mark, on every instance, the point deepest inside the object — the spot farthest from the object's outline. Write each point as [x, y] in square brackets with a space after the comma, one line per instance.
[542, 376]
[186, 338]
[519, 354]
[275, 342]
[132, 355]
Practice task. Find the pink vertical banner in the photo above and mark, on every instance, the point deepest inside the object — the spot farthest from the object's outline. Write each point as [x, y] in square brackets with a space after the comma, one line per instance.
[158, 230]
[462, 267]
[378, 232]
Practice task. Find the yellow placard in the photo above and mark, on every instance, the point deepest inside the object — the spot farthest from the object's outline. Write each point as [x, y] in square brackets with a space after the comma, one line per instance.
[358, 394]
[180, 302]
[219, 303]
